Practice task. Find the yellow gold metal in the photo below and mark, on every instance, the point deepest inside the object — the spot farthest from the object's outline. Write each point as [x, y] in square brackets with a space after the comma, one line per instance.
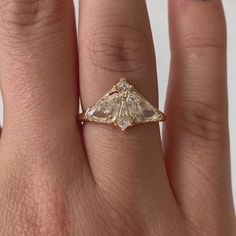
[122, 106]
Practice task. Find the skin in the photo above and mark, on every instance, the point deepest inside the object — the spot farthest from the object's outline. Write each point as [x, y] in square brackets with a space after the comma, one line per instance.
[58, 178]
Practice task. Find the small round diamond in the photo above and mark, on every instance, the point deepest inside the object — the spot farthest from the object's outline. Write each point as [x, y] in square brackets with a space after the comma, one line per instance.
[123, 85]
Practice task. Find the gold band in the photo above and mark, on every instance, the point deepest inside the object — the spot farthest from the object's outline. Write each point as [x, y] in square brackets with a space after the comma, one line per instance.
[122, 106]
[82, 117]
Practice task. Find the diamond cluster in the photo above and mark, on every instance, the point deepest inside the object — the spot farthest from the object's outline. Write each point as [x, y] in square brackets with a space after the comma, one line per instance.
[124, 107]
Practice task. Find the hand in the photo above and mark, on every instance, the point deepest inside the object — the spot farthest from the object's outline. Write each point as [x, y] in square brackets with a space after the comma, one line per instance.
[59, 178]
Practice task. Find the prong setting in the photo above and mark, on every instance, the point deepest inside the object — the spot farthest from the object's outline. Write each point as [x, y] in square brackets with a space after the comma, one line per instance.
[123, 106]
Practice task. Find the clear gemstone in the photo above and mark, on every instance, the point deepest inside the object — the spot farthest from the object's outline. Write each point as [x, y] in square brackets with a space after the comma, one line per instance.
[106, 110]
[123, 119]
[123, 85]
[140, 109]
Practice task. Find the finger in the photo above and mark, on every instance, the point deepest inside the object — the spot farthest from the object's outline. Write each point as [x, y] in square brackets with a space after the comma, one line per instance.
[196, 133]
[38, 69]
[115, 42]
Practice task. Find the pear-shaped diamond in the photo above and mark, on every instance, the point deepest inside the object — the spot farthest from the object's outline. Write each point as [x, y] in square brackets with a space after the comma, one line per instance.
[106, 110]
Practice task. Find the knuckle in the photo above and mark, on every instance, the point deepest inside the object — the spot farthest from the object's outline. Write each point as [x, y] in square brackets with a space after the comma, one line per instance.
[203, 121]
[24, 18]
[211, 43]
[120, 48]
[20, 89]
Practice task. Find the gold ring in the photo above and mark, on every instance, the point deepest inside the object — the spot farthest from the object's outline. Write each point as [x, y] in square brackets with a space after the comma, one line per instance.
[122, 106]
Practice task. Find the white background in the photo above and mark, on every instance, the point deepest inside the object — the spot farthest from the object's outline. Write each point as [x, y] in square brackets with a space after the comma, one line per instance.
[158, 17]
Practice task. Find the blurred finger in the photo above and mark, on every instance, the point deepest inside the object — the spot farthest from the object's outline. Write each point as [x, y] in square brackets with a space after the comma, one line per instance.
[196, 133]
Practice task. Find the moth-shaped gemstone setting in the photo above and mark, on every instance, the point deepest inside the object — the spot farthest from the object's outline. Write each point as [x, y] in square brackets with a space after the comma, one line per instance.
[124, 107]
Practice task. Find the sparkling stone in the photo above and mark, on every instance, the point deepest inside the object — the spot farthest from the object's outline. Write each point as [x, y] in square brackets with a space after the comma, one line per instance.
[123, 119]
[160, 116]
[123, 85]
[106, 110]
[140, 109]
[124, 108]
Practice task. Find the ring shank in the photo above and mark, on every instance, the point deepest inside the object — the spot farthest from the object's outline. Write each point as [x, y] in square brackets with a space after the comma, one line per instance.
[82, 117]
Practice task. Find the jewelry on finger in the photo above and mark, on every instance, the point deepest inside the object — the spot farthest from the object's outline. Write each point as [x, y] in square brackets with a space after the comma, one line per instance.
[123, 106]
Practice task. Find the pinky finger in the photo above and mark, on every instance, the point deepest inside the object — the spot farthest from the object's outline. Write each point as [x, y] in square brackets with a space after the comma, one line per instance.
[196, 132]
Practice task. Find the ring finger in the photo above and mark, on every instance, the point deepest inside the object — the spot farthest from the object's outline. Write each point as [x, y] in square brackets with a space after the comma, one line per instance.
[115, 41]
